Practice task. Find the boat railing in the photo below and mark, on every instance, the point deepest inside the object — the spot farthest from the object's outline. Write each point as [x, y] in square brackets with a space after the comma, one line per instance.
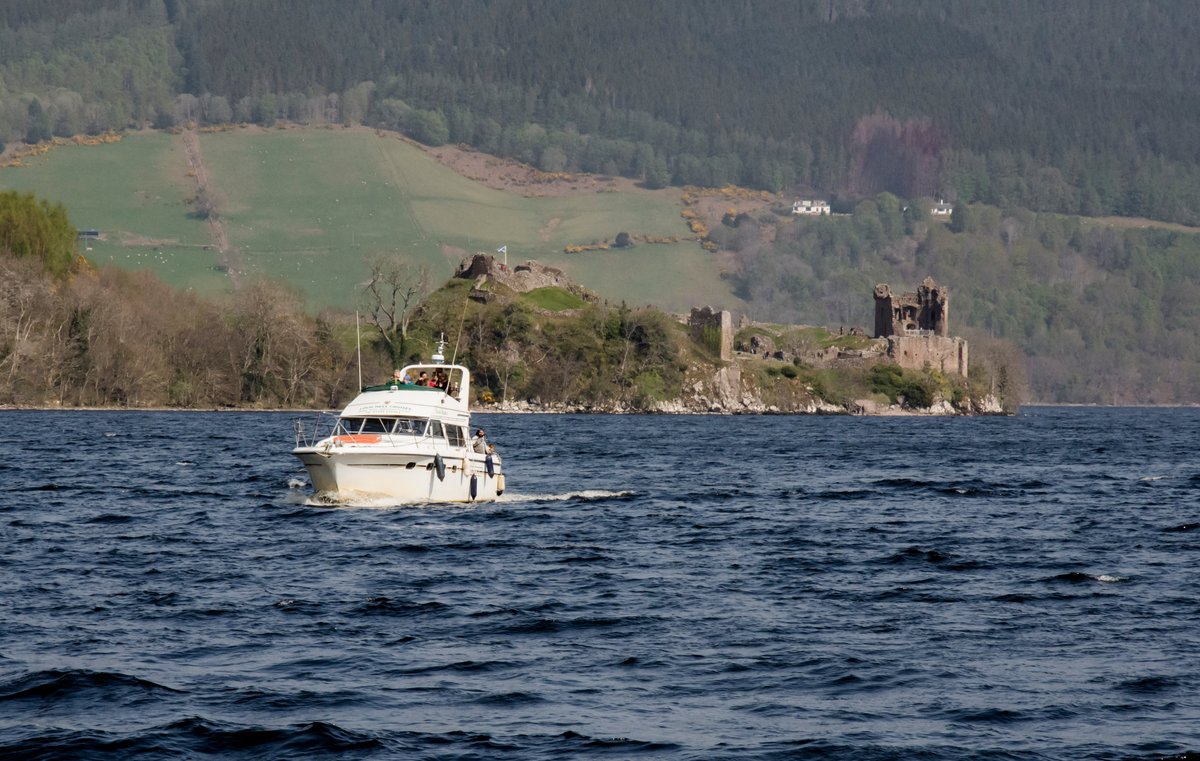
[310, 430]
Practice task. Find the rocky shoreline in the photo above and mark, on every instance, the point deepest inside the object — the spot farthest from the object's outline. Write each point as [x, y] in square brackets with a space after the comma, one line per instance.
[862, 407]
[729, 391]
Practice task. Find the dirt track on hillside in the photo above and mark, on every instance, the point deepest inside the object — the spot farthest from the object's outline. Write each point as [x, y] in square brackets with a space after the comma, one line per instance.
[227, 254]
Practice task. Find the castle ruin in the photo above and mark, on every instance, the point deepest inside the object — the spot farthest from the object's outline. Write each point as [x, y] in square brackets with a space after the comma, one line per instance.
[917, 328]
[485, 268]
[925, 310]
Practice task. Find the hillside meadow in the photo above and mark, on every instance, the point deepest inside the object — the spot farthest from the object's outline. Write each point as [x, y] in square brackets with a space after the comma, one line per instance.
[133, 191]
[311, 207]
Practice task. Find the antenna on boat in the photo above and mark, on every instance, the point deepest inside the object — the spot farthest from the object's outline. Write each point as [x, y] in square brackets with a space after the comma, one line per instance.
[461, 321]
[439, 356]
[358, 345]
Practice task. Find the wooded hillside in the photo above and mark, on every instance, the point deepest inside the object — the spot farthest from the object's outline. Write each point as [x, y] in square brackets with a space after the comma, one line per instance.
[1105, 315]
[1067, 107]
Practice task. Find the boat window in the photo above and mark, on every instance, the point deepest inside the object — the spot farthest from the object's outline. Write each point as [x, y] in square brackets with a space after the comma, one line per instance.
[349, 425]
[455, 434]
[435, 429]
[410, 425]
[376, 425]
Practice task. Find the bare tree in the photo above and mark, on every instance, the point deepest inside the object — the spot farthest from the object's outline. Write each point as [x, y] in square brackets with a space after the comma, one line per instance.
[391, 296]
[25, 294]
[275, 353]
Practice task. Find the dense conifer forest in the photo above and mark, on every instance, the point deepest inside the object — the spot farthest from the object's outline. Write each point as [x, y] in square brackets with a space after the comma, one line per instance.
[1063, 107]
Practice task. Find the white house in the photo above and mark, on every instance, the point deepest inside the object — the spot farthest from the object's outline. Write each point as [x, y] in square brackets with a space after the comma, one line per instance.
[806, 206]
[941, 209]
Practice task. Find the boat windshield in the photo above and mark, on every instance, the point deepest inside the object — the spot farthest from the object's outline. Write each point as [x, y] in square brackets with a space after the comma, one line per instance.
[402, 425]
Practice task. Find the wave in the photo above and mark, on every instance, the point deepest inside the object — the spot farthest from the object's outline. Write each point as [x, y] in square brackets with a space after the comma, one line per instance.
[947, 561]
[384, 606]
[1184, 527]
[111, 518]
[555, 625]
[971, 488]
[623, 744]
[459, 667]
[846, 495]
[306, 700]
[291, 605]
[988, 716]
[64, 685]
[1076, 577]
[1150, 684]
[510, 699]
[201, 736]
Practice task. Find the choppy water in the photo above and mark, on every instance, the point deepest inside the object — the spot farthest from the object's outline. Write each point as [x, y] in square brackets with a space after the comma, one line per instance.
[650, 587]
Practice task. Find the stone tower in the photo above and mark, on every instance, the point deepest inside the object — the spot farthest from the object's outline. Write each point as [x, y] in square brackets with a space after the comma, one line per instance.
[926, 309]
[715, 327]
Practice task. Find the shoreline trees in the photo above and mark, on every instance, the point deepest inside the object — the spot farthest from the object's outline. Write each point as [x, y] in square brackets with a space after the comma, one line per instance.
[84, 337]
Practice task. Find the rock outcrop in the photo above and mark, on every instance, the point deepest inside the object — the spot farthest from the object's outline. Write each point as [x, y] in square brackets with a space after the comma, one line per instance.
[521, 278]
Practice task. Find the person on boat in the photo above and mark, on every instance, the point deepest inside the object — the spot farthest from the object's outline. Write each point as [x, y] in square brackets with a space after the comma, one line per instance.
[397, 376]
[479, 445]
[422, 379]
[440, 379]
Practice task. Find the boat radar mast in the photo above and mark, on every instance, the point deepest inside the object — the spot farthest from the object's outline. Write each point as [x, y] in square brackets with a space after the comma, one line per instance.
[439, 356]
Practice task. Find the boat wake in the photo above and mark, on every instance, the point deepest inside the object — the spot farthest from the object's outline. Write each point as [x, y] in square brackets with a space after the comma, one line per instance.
[585, 495]
[296, 497]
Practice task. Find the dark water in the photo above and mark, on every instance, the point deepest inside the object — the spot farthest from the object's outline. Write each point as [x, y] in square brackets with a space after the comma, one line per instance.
[651, 587]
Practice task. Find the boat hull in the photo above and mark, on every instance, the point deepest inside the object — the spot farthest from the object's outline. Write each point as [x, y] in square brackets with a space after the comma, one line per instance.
[405, 478]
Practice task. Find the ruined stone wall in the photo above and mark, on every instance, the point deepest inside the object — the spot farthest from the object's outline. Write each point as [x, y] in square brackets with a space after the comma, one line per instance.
[716, 327]
[949, 355]
[521, 277]
[925, 309]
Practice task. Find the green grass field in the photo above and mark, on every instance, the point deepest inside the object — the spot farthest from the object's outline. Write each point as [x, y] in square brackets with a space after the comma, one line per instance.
[554, 299]
[313, 206]
[134, 192]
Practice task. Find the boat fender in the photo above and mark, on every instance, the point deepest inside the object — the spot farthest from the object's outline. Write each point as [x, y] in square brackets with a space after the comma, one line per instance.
[440, 466]
[474, 486]
[499, 484]
[489, 466]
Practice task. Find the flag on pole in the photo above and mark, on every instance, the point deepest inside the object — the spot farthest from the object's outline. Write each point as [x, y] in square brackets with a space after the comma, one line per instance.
[502, 250]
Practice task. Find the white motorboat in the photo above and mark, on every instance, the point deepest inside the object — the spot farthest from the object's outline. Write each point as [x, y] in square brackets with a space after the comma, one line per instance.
[403, 441]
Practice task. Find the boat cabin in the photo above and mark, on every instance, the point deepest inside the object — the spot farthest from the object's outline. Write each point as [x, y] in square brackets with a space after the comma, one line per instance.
[452, 380]
[410, 396]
